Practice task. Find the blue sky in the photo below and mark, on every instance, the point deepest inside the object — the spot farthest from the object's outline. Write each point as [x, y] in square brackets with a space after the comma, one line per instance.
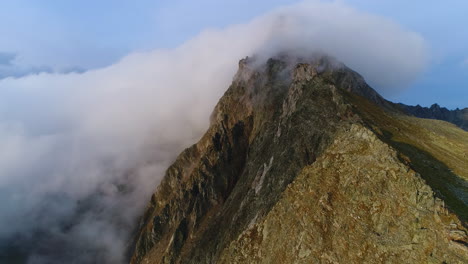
[54, 35]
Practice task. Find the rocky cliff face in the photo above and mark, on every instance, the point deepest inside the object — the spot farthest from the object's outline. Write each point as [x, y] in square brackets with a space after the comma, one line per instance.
[458, 117]
[305, 163]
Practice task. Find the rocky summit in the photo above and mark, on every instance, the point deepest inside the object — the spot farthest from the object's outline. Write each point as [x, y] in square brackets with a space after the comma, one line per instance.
[305, 163]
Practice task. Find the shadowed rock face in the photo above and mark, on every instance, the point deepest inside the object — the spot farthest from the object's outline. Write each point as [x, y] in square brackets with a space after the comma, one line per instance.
[295, 168]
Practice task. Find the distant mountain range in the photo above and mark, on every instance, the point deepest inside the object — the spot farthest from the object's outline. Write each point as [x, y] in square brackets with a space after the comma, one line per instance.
[458, 117]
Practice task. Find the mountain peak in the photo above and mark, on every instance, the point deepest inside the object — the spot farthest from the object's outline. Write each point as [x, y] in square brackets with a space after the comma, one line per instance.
[288, 68]
[307, 143]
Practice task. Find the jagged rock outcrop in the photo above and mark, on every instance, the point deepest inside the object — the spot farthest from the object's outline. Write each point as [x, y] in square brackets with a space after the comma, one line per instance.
[458, 117]
[305, 163]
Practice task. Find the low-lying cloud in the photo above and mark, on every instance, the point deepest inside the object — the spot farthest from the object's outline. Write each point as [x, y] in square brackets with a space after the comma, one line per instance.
[81, 153]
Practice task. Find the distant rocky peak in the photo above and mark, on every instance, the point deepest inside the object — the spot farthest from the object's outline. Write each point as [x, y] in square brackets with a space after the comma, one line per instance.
[458, 117]
[435, 106]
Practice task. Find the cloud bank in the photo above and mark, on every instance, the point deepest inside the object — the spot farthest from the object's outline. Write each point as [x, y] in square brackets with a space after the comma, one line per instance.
[81, 153]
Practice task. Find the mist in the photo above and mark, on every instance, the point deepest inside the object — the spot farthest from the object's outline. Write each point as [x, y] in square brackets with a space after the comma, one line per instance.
[81, 153]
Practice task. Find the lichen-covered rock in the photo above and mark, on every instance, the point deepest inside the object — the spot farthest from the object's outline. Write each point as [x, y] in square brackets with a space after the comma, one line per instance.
[300, 165]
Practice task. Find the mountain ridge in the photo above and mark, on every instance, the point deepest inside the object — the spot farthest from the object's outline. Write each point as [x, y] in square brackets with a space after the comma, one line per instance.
[254, 150]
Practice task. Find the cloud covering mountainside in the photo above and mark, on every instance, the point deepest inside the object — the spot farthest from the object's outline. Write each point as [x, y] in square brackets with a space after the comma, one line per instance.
[81, 152]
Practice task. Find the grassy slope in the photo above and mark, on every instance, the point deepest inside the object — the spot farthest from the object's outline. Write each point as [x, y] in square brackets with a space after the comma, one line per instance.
[438, 150]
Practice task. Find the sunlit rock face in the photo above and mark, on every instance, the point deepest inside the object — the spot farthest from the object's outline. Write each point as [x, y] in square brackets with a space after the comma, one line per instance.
[305, 163]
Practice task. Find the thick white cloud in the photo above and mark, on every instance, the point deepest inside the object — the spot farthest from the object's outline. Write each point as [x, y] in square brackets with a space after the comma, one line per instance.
[98, 143]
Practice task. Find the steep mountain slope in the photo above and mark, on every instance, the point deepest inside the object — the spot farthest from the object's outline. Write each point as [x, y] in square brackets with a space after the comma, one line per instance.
[356, 204]
[458, 117]
[304, 162]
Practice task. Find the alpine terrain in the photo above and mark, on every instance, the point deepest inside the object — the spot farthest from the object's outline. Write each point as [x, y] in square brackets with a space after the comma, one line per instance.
[305, 163]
